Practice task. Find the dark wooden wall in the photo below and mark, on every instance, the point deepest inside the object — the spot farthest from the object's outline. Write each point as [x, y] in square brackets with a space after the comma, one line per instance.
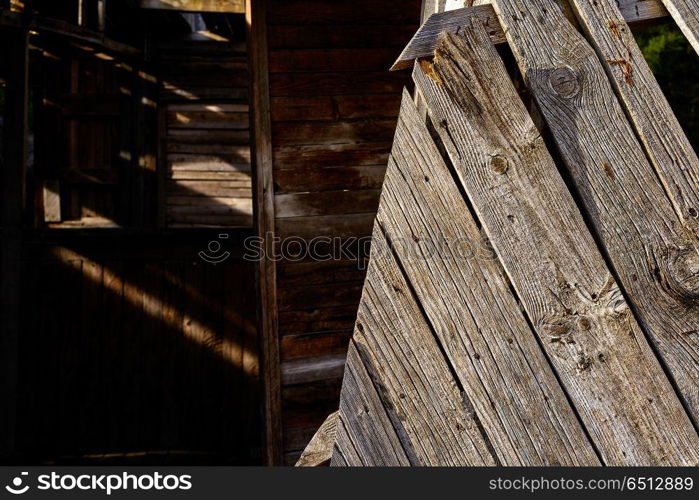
[120, 344]
[206, 134]
[333, 108]
[132, 348]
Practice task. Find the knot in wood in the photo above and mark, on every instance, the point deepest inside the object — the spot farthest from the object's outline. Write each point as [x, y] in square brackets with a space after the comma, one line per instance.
[564, 82]
[498, 164]
[678, 273]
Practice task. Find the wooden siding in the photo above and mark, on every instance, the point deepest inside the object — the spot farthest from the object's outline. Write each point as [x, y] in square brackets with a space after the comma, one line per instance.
[206, 149]
[333, 107]
[137, 350]
[470, 168]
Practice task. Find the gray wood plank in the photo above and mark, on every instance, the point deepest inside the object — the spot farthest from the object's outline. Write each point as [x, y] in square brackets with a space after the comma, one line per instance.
[653, 254]
[600, 353]
[425, 403]
[655, 123]
[364, 419]
[686, 15]
[345, 454]
[424, 41]
[479, 324]
[319, 450]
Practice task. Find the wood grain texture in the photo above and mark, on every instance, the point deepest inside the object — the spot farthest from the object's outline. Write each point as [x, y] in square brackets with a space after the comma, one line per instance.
[653, 254]
[424, 401]
[686, 15]
[583, 322]
[480, 327]
[263, 196]
[320, 449]
[368, 436]
[424, 41]
[221, 6]
[665, 142]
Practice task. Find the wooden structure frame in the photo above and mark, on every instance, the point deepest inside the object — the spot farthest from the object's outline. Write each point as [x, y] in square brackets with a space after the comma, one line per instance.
[432, 374]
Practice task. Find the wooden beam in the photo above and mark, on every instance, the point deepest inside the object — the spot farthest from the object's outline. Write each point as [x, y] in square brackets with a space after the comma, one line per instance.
[425, 39]
[91, 37]
[652, 250]
[364, 434]
[224, 6]
[10, 19]
[686, 15]
[263, 203]
[666, 144]
[12, 186]
[573, 302]
[319, 450]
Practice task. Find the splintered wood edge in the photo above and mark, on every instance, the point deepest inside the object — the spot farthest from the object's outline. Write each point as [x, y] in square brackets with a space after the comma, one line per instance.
[424, 41]
[320, 448]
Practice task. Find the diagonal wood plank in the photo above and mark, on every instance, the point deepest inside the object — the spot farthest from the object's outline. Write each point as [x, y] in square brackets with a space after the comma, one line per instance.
[655, 123]
[654, 256]
[421, 396]
[319, 450]
[686, 15]
[424, 41]
[600, 353]
[478, 322]
[364, 421]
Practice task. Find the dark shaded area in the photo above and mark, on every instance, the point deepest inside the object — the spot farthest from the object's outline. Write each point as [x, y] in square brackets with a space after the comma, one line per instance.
[137, 351]
[676, 67]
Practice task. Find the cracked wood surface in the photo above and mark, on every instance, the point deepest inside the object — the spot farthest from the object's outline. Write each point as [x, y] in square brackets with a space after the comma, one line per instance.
[655, 123]
[472, 359]
[686, 15]
[613, 378]
[481, 329]
[652, 252]
[319, 450]
[424, 41]
[364, 427]
[415, 383]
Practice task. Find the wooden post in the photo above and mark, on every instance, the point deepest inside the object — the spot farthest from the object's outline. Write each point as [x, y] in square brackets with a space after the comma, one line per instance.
[101, 15]
[12, 175]
[263, 203]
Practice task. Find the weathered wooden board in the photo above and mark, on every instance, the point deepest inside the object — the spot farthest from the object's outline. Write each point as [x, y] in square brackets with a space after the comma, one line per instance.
[326, 343]
[328, 179]
[327, 295]
[321, 60]
[320, 449]
[583, 322]
[359, 12]
[310, 227]
[347, 107]
[346, 36]
[327, 203]
[424, 41]
[653, 254]
[478, 322]
[364, 421]
[417, 387]
[331, 155]
[334, 132]
[655, 123]
[686, 15]
[224, 6]
[331, 319]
